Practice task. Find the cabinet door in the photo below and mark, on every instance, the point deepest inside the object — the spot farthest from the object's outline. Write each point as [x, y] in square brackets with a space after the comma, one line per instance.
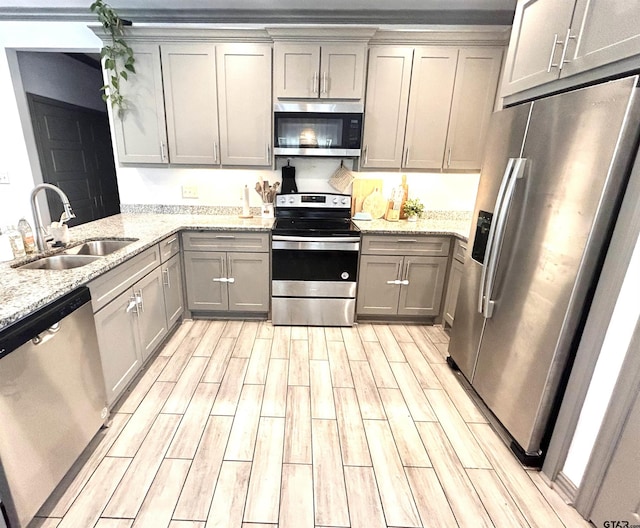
[203, 271]
[432, 78]
[534, 48]
[423, 293]
[377, 293]
[191, 102]
[248, 282]
[385, 113]
[244, 94]
[296, 70]
[453, 287]
[607, 31]
[342, 71]
[152, 320]
[173, 295]
[139, 128]
[117, 329]
[474, 97]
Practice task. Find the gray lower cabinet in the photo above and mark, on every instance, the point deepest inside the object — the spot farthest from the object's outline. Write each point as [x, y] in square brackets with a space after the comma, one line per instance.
[227, 281]
[453, 285]
[119, 342]
[173, 294]
[152, 319]
[396, 285]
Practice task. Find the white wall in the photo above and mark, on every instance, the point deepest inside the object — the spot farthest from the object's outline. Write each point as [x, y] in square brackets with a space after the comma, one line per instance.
[62, 78]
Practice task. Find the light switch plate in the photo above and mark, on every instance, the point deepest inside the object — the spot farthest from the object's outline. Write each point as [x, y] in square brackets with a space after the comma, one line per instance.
[4, 177]
[189, 191]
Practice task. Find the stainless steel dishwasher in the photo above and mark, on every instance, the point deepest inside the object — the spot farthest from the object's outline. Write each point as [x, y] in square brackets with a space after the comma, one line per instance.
[52, 400]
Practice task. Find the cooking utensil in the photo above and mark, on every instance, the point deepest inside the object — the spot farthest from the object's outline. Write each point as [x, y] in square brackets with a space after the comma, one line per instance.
[375, 204]
[361, 188]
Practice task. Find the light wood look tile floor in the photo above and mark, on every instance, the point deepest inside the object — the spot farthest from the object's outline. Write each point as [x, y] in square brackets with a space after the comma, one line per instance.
[242, 424]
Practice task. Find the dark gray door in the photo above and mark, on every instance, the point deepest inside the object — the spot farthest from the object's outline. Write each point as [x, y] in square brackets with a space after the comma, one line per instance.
[74, 148]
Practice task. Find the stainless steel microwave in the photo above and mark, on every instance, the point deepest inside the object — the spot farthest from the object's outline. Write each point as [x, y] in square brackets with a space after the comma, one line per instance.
[318, 129]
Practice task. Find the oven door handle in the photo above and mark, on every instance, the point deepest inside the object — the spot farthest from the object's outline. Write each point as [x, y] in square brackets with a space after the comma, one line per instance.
[287, 238]
[308, 245]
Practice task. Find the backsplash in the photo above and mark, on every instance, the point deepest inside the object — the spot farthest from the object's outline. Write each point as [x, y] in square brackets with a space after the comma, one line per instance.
[223, 187]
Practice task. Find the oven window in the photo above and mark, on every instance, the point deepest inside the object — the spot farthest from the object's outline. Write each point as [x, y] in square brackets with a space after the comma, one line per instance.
[297, 264]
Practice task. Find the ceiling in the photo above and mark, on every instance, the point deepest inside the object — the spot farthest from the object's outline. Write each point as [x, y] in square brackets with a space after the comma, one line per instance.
[412, 12]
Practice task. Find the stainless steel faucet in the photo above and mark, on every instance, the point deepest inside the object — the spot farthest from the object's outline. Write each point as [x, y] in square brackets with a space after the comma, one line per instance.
[41, 233]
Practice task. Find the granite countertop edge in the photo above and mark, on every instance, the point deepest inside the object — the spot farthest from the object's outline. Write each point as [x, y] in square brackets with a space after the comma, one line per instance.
[25, 291]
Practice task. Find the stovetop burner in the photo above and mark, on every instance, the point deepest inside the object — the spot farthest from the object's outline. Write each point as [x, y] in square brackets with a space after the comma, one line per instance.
[317, 214]
[315, 226]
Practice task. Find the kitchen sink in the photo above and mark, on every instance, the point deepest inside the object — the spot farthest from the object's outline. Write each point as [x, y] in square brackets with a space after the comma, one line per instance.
[98, 247]
[60, 262]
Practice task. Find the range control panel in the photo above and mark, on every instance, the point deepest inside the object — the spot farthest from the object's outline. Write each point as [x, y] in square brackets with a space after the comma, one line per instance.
[321, 200]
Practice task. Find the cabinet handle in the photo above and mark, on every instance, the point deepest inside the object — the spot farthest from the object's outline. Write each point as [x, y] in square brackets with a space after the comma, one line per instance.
[169, 242]
[163, 154]
[553, 52]
[314, 86]
[166, 276]
[220, 279]
[215, 152]
[404, 282]
[449, 158]
[133, 303]
[140, 300]
[324, 82]
[268, 151]
[564, 49]
[407, 240]
[231, 280]
[225, 236]
[366, 154]
[394, 282]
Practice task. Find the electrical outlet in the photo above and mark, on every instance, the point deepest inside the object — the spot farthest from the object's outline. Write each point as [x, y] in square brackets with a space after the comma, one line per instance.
[189, 191]
[4, 177]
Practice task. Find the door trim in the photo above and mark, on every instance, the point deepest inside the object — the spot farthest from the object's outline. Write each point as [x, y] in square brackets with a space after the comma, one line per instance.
[622, 398]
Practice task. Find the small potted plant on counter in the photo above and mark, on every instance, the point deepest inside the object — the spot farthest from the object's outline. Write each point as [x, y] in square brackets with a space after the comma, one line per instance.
[413, 208]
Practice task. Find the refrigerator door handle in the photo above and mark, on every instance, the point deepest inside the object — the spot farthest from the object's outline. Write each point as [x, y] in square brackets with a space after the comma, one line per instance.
[492, 232]
[501, 224]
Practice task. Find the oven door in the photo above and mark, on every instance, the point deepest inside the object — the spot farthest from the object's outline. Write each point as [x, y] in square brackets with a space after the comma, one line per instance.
[314, 266]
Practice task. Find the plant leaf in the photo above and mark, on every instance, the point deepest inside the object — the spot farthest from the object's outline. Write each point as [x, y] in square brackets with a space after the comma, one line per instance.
[130, 68]
[123, 74]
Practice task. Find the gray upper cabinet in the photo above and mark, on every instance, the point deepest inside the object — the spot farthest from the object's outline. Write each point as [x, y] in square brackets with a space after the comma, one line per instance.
[474, 95]
[385, 113]
[429, 107]
[539, 28]
[244, 100]
[605, 32]
[139, 128]
[325, 71]
[557, 39]
[191, 103]
[432, 81]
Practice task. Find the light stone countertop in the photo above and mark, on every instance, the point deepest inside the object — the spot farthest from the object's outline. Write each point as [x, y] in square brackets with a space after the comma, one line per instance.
[23, 291]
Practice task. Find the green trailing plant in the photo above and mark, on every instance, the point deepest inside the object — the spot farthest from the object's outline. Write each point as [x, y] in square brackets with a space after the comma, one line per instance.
[118, 56]
[413, 207]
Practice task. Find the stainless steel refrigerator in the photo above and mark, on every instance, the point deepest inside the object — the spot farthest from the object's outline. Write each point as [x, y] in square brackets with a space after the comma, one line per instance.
[552, 179]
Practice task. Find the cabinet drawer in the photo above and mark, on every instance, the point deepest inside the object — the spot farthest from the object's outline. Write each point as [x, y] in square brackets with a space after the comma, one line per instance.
[225, 241]
[432, 246]
[169, 247]
[459, 250]
[108, 286]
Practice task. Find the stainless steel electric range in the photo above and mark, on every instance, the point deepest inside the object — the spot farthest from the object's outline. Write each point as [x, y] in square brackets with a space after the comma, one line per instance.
[314, 266]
